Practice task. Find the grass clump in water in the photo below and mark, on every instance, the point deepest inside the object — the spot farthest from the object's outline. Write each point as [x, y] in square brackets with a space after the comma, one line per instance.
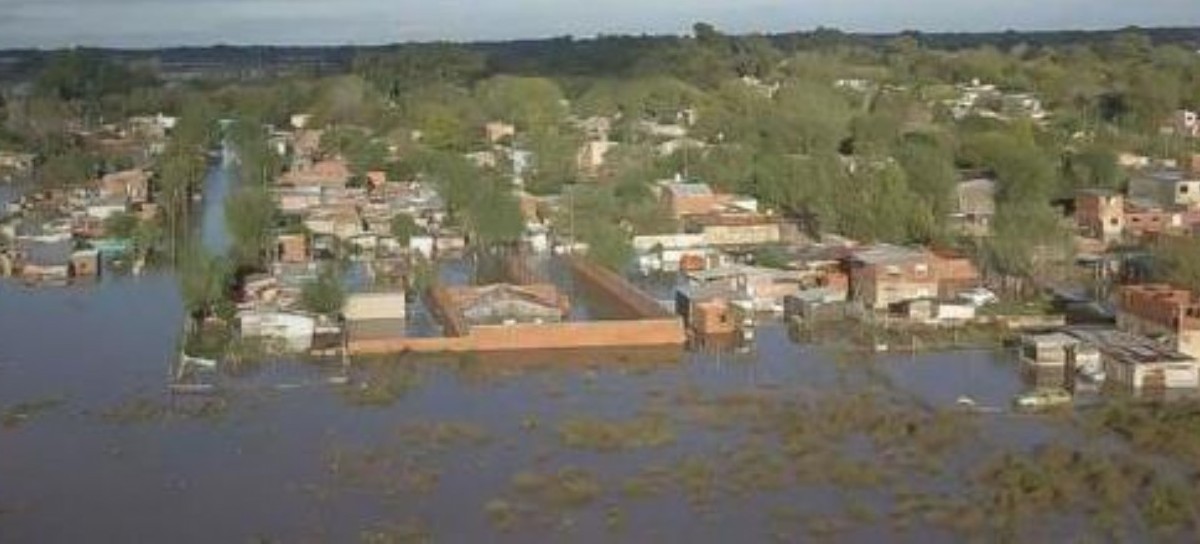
[21, 413]
[610, 436]
[568, 488]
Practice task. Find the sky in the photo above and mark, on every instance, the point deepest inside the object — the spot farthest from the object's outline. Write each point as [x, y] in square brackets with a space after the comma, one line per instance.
[155, 23]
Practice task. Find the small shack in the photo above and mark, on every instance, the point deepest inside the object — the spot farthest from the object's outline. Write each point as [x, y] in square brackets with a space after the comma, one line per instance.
[371, 316]
[1048, 360]
[85, 263]
[292, 331]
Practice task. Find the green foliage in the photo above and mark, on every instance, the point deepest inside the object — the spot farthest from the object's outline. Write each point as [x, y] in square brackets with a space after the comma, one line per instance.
[532, 104]
[403, 228]
[1177, 261]
[204, 282]
[1025, 173]
[361, 151]
[250, 215]
[71, 168]
[494, 215]
[79, 74]
[1093, 167]
[121, 225]
[325, 295]
[771, 257]
[594, 217]
[1026, 237]
[395, 73]
[554, 161]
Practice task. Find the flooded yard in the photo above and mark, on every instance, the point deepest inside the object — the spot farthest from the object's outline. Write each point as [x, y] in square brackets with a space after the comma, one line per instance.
[785, 443]
[780, 442]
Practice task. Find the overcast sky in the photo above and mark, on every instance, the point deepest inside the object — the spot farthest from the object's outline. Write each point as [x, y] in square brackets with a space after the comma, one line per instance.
[149, 23]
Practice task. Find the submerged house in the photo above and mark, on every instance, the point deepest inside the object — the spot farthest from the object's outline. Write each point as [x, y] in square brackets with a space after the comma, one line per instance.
[505, 304]
[292, 331]
[1162, 312]
[375, 315]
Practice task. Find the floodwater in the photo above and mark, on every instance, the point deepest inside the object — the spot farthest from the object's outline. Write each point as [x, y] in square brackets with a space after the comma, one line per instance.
[217, 186]
[421, 450]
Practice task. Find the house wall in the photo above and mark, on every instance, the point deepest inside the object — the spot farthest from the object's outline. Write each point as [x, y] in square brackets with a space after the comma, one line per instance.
[954, 274]
[1101, 216]
[742, 235]
[880, 286]
[1159, 310]
[1150, 222]
[1135, 378]
[681, 205]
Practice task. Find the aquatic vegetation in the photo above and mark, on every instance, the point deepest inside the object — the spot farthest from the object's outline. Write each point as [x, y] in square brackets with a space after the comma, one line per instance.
[140, 410]
[1172, 429]
[21, 413]
[593, 434]
[409, 532]
[384, 470]
[649, 482]
[382, 384]
[503, 515]
[443, 435]
[569, 487]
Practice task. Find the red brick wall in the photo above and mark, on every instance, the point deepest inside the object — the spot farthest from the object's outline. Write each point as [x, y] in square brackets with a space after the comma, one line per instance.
[1162, 305]
[532, 337]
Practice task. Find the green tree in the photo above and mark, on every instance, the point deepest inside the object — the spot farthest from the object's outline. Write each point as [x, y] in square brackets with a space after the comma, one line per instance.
[121, 225]
[494, 215]
[1093, 167]
[250, 213]
[204, 282]
[324, 295]
[403, 228]
[532, 104]
[1177, 261]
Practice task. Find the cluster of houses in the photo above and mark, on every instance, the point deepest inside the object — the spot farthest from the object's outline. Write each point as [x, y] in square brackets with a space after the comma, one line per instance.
[57, 235]
[1153, 350]
[977, 99]
[1162, 199]
[1154, 347]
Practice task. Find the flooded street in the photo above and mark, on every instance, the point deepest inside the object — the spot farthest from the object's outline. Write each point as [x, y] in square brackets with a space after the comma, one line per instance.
[217, 186]
[785, 442]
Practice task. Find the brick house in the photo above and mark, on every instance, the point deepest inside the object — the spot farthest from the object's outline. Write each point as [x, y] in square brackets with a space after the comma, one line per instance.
[1167, 188]
[884, 275]
[1145, 219]
[684, 199]
[735, 229]
[132, 186]
[1161, 311]
[1100, 214]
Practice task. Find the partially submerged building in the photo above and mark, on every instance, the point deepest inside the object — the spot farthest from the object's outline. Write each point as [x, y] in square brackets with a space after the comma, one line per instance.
[1138, 365]
[375, 315]
[1162, 312]
[505, 304]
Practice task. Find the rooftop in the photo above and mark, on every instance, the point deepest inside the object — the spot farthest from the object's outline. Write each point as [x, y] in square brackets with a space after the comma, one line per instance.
[1129, 348]
[689, 189]
[887, 254]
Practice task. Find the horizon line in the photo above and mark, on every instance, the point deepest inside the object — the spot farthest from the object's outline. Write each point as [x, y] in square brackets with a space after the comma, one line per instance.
[597, 36]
